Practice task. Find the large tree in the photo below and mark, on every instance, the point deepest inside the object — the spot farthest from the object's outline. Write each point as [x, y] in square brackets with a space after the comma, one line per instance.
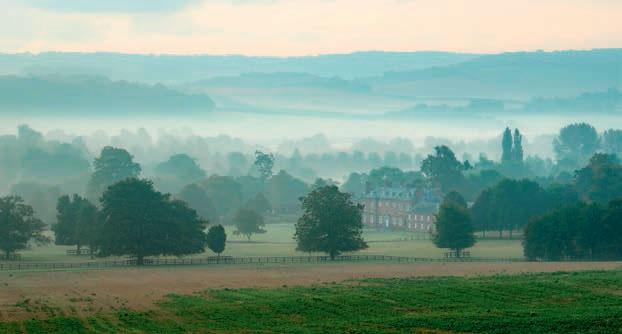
[601, 180]
[506, 146]
[454, 229]
[197, 199]
[575, 144]
[248, 222]
[177, 171]
[18, 225]
[112, 165]
[331, 223]
[283, 191]
[509, 205]
[139, 221]
[76, 222]
[612, 230]
[574, 231]
[225, 194]
[216, 239]
[517, 150]
[444, 168]
[259, 204]
[264, 163]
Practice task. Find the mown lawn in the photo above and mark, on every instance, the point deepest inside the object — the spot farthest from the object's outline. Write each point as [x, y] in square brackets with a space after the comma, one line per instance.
[580, 302]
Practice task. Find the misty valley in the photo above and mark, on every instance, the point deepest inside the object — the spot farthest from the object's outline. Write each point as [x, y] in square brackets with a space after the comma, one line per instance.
[305, 166]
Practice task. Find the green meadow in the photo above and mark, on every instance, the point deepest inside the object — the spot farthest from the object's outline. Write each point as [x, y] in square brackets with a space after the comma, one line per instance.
[278, 241]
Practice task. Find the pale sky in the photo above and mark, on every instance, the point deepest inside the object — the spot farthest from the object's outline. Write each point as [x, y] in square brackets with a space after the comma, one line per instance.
[305, 27]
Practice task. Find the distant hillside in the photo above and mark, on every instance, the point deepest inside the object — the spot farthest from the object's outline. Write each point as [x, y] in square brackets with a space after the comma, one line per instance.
[609, 102]
[86, 93]
[283, 80]
[511, 75]
[178, 68]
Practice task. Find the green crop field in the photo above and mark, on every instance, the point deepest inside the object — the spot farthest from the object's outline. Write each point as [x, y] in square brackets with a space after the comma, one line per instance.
[576, 302]
[278, 241]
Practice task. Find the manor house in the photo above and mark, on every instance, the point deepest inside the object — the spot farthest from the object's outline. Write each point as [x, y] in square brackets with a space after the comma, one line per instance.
[398, 207]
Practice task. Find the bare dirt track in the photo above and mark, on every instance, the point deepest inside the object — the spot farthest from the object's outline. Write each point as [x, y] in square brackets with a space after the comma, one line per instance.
[41, 294]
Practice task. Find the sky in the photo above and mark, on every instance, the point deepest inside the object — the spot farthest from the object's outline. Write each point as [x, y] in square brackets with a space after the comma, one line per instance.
[307, 27]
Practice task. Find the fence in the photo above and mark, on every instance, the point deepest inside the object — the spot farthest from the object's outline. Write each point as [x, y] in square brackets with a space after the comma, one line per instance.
[148, 262]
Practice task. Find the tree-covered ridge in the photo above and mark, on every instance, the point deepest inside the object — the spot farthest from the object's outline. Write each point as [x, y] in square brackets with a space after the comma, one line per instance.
[70, 94]
[513, 75]
[180, 68]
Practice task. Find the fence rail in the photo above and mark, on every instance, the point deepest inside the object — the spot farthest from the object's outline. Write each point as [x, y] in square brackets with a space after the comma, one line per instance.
[149, 262]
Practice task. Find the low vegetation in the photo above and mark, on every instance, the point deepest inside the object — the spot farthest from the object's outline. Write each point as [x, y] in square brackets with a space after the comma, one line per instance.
[579, 302]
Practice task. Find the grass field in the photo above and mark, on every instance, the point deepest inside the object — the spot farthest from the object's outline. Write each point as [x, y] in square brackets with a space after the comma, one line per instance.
[278, 241]
[577, 302]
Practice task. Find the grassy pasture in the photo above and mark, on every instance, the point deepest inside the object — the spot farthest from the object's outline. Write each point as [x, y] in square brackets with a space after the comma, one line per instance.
[278, 241]
[577, 302]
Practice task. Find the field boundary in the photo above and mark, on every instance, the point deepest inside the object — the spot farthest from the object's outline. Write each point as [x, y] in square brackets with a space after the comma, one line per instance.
[151, 262]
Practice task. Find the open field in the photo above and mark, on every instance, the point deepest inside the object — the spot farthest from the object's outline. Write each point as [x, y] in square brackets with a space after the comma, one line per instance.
[283, 299]
[80, 292]
[278, 241]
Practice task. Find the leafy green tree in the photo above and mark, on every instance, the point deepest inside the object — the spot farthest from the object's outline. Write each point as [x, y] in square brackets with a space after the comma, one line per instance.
[140, 221]
[591, 229]
[517, 150]
[569, 232]
[575, 144]
[320, 182]
[612, 141]
[331, 223]
[197, 199]
[76, 222]
[561, 195]
[601, 180]
[510, 204]
[454, 229]
[216, 239]
[506, 146]
[177, 171]
[612, 231]
[392, 177]
[225, 193]
[578, 231]
[18, 226]
[259, 204]
[248, 222]
[283, 191]
[355, 184]
[482, 213]
[112, 166]
[478, 182]
[444, 168]
[59, 161]
[264, 163]
[455, 198]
